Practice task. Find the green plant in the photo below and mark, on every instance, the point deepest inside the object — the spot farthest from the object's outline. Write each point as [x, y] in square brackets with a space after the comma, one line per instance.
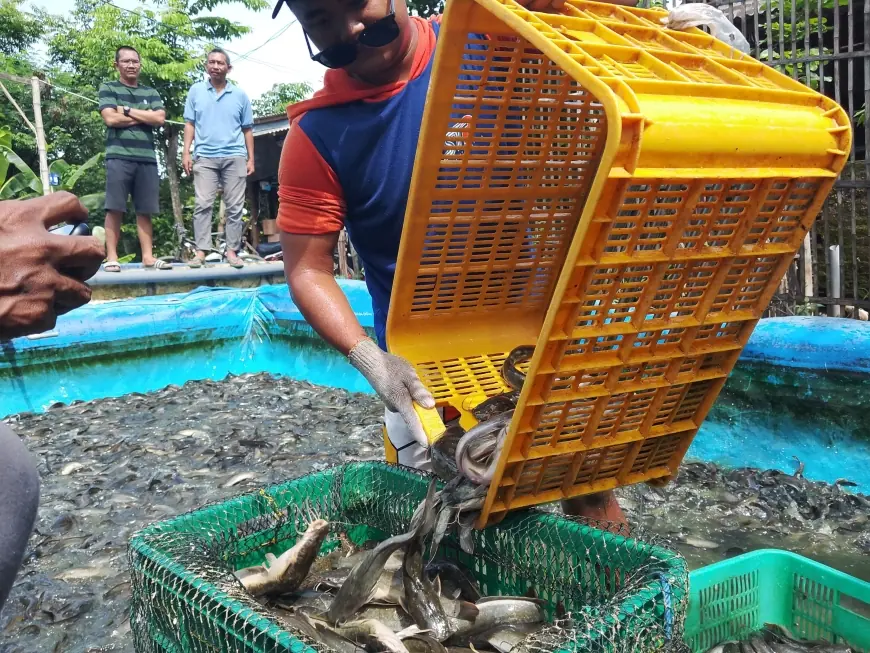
[807, 308]
[275, 100]
[26, 183]
[5, 141]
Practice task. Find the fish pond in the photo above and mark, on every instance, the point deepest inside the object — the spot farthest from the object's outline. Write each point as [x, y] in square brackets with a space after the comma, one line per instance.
[139, 410]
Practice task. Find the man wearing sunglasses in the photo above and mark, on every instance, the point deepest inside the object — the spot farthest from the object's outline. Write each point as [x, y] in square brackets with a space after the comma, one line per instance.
[347, 162]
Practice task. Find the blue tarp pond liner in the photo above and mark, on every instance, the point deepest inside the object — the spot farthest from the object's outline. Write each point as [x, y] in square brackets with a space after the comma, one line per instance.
[801, 388]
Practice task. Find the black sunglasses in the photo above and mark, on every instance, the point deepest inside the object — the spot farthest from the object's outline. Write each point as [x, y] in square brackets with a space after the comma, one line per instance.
[380, 33]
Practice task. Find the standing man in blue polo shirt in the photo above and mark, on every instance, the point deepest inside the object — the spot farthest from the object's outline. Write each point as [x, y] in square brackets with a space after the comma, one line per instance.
[219, 118]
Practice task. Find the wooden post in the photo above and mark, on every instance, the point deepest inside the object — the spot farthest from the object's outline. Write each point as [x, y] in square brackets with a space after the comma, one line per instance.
[342, 254]
[807, 266]
[41, 147]
[834, 290]
[254, 223]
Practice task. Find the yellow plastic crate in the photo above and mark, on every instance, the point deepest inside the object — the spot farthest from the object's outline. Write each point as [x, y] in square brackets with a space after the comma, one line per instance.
[623, 196]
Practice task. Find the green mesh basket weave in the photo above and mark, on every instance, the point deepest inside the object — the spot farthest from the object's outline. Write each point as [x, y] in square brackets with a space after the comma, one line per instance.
[622, 594]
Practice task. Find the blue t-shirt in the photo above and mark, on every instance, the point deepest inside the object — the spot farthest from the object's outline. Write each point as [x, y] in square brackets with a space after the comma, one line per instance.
[218, 120]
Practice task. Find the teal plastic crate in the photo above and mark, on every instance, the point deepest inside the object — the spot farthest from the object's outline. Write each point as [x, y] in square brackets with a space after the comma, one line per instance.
[733, 598]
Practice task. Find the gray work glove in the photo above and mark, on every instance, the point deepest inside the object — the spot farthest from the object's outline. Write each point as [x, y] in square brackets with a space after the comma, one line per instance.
[396, 383]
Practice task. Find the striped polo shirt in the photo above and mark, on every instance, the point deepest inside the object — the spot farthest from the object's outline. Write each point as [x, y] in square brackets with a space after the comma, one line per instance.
[135, 143]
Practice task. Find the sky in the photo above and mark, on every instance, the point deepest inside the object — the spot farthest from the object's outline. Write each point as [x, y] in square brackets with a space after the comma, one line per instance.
[285, 59]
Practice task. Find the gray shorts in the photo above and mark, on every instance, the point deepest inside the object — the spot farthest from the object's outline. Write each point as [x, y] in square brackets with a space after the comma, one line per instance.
[125, 178]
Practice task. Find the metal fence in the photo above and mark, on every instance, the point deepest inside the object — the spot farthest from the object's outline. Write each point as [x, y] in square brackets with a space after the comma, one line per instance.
[824, 44]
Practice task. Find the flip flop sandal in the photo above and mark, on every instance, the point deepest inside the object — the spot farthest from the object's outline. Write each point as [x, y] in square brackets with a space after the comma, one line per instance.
[236, 262]
[111, 266]
[159, 264]
[195, 262]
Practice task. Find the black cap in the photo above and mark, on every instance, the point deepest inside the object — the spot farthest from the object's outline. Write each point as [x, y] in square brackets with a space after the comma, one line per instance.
[278, 8]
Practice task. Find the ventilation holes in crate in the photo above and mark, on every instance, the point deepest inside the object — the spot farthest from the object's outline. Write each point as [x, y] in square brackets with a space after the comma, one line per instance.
[734, 209]
[701, 221]
[611, 294]
[681, 290]
[562, 422]
[659, 343]
[567, 383]
[812, 604]
[744, 284]
[781, 213]
[643, 372]
[691, 401]
[522, 118]
[670, 404]
[463, 376]
[718, 334]
[645, 218]
[655, 452]
[508, 250]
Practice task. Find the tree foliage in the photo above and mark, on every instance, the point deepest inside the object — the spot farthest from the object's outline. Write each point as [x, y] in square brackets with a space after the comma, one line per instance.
[18, 30]
[26, 183]
[275, 100]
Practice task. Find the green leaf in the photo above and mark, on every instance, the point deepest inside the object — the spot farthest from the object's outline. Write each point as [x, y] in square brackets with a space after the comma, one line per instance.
[94, 202]
[60, 167]
[5, 140]
[70, 183]
[18, 187]
[32, 179]
[129, 258]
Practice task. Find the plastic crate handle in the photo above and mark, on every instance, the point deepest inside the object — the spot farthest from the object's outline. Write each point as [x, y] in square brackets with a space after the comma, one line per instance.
[433, 425]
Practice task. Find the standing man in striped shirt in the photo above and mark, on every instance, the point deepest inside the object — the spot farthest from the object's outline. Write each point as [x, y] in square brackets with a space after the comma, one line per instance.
[131, 111]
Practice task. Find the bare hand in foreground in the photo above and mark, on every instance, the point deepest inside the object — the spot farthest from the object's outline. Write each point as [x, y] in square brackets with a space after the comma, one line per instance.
[42, 275]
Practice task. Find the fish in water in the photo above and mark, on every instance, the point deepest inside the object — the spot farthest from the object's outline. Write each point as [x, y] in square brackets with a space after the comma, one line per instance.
[357, 589]
[775, 639]
[286, 572]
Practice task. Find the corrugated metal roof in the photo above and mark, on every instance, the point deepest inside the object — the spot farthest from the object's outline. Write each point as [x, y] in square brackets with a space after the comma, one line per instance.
[271, 127]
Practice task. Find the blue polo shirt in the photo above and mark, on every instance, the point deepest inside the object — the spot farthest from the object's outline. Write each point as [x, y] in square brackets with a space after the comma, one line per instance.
[218, 120]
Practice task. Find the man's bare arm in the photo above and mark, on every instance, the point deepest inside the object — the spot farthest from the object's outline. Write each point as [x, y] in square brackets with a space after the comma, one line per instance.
[113, 118]
[149, 117]
[308, 266]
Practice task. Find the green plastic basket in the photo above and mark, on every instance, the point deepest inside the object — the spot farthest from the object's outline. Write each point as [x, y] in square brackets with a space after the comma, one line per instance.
[731, 599]
[186, 600]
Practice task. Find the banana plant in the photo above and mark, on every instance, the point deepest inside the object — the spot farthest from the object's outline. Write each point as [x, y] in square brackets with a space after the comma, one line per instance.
[26, 183]
[5, 139]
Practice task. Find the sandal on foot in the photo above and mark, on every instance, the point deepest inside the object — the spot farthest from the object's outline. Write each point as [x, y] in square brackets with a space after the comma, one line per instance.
[111, 266]
[196, 262]
[235, 261]
[159, 264]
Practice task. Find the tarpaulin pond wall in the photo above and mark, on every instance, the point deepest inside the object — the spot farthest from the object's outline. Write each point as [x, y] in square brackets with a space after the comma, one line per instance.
[800, 390]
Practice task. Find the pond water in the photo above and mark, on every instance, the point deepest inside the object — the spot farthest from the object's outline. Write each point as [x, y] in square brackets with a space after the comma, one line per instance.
[146, 446]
